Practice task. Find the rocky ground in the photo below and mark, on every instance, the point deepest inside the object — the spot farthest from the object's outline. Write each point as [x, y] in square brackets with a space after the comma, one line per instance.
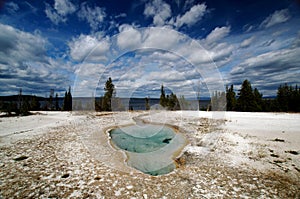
[66, 161]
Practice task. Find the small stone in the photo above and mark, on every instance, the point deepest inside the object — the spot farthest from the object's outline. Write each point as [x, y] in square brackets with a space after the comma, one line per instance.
[129, 187]
[65, 175]
[23, 157]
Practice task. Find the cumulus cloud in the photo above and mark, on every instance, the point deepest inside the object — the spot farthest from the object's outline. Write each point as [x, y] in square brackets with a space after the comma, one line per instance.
[61, 9]
[64, 7]
[128, 38]
[94, 16]
[24, 63]
[279, 16]
[18, 46]
[159, 10]
[217, 34]
[89, 47]
[158, 37]
[192, 16]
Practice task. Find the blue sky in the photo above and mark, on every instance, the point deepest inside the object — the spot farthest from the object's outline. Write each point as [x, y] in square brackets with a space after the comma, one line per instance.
[185, 45]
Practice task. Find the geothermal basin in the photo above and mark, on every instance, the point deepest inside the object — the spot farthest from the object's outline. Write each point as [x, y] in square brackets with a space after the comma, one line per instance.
[150, 148]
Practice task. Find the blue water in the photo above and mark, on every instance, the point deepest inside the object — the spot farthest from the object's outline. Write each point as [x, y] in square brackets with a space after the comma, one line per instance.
[150, 148]
[142, 139]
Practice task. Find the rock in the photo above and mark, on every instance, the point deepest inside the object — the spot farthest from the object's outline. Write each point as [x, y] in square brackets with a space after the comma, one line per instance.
[293, 152]
[65, 175]
[274, 155]
[278, 140]
[167, 140]
[23, 157]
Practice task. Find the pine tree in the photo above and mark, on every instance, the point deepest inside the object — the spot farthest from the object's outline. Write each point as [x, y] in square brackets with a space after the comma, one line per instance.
[34, 104]
[173, 103]
[69, 95]
[56, 102]
[162, 99]
[258, 101]
[67, 106]
[109, 94]
[230, 98]
[245, 102]
[147, 105]
[283, 96]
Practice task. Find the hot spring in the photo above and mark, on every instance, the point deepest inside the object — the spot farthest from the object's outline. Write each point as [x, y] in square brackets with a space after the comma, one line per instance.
[150, 148]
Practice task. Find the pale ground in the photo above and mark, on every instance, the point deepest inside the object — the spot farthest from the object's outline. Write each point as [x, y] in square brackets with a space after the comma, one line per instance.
[229, 155]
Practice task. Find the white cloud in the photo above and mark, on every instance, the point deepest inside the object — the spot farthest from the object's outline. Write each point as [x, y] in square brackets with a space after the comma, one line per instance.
[217, 34]
[59, 13]
[18, 46]
[53, 15]
[192, 16]
[25, 64]
[158, 37]
[159, 10]
[128, 38]
[89, 48]
[275, 66]
[246, 43]
[279, 16]
[94, 16]
[64, 7]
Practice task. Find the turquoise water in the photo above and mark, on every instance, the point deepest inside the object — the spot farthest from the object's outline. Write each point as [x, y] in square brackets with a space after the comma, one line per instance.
[150, 148]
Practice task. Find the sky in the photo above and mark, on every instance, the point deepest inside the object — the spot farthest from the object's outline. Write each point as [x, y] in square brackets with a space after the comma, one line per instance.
[188, 46]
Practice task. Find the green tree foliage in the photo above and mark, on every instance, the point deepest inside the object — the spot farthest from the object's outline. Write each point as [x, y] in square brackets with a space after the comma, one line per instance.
[258, 101]
[25, 108]
[34, 104]
[67, 106]
[249, 100]
[230, 98]
[246, 102]
[147, 105]
[173, 103]
[170, 101]
[163, 100]
[56, 102]
[288, 98]
[109, 94]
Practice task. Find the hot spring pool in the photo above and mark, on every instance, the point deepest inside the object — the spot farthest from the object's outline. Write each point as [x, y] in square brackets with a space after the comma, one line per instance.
[150, 148]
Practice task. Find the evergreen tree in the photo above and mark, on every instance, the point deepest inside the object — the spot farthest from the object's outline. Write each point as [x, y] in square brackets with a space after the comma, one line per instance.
[56, 102]
[25, 108]
[230, 98]
[147, 105]
[288, 98]
[34, 104]
[109, 94]
[67, 106]
[258, 101]
[283, 95]
[173, 103]
[162, 99]
[245, 102]
[69, 95]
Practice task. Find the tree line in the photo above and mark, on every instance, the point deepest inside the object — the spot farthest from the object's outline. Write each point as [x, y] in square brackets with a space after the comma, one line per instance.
[251, 100]
[246, 100]
[22, 104]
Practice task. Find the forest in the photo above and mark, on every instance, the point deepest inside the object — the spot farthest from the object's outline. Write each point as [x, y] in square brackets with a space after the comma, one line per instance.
[246, 99]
